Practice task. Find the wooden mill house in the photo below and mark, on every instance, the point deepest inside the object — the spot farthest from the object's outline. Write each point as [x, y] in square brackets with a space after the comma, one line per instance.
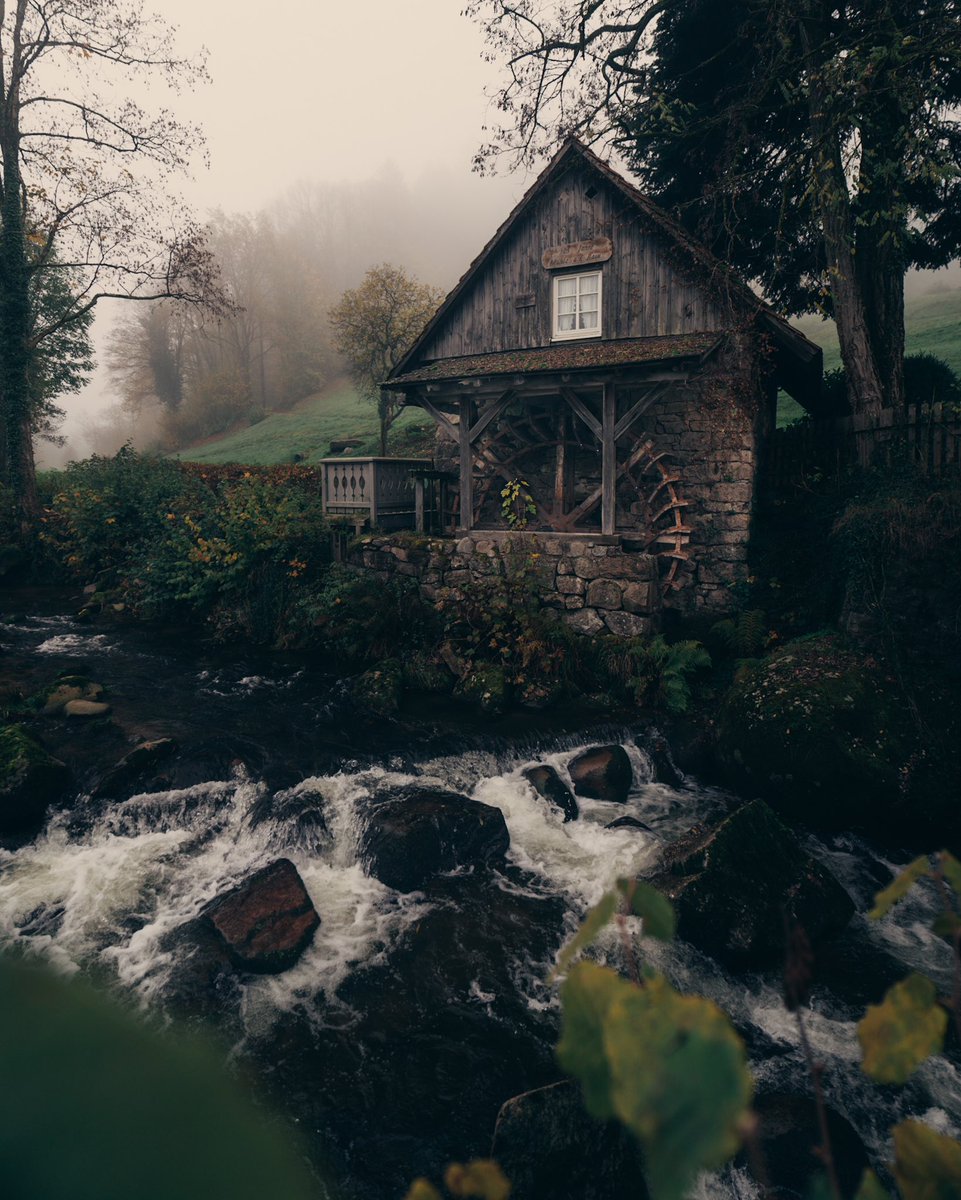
[597, 352]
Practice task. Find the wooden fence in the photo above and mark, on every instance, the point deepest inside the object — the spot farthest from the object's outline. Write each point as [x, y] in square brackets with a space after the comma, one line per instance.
[925, 436]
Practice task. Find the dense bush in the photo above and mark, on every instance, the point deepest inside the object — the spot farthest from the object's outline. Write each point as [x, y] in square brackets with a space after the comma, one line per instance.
[165, 541]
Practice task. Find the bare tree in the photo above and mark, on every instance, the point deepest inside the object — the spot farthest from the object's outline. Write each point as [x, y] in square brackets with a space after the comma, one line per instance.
[83, 171]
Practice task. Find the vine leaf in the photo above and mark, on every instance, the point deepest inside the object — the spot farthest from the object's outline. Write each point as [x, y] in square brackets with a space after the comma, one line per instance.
[591, 926]
[870, 1187]
[898, 1034]
[951, 869]
[422, 1189]
[481, 1177]
[655, 909]
[927, 1165]
[670, 1067]
[587, 995]
[899, 887]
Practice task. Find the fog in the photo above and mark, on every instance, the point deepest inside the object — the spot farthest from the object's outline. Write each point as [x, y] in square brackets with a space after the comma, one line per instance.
[366, 119]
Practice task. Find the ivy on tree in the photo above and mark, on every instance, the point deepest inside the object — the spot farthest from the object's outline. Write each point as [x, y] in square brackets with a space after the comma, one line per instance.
[82, 192]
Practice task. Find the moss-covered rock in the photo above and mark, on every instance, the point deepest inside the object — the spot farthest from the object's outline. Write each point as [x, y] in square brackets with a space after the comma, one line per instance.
[380, 688]
[821, 733]
[30, 780]
[734, 887]
[487, 687]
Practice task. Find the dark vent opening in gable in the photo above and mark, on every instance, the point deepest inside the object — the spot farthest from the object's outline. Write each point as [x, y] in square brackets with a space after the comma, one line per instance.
[591, 192]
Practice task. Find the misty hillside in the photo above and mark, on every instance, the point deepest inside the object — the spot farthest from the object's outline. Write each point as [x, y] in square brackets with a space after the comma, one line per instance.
[336, 411]
[933, 324]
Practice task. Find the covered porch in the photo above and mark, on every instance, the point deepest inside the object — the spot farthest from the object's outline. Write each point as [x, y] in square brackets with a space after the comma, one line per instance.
[568, 423]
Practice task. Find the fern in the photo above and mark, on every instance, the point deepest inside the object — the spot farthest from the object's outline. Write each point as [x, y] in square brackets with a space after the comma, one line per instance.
[744, 636]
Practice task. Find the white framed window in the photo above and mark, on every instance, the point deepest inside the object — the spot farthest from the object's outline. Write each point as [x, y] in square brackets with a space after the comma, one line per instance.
[577, 305]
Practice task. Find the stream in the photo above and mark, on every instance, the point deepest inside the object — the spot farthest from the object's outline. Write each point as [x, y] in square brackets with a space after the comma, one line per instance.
[411, 1017]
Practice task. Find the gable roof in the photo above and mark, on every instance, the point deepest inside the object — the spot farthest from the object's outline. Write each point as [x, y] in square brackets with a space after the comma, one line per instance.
[799, 361]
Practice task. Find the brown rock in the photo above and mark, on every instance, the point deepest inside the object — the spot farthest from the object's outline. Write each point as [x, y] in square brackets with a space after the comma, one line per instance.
[268, 921]
[602, 773]
[85, 708]
[548, 784]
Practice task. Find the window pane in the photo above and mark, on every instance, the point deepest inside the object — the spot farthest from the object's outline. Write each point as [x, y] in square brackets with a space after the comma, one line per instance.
[588, 285]
[565, 323]
[567, 304]
[567, 287]
[589, 320]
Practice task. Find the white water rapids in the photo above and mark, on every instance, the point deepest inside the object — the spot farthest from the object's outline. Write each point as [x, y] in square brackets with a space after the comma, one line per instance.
[103, 886]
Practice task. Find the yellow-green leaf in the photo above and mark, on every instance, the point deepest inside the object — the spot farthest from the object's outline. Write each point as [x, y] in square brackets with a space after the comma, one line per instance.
[422, 1189]
[898, 1034]
[951, 869]
[591, 926]
[927, 1165]
[679, 1081]
[899, 887]
[870, 1187]
[482, 1177]
[586, 996]
[653, 908]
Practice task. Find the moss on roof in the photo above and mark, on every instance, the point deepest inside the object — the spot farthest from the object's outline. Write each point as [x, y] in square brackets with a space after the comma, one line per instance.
[573, 357]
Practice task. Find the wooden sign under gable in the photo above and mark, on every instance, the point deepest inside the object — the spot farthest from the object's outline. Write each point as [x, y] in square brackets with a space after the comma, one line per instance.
[578, 254]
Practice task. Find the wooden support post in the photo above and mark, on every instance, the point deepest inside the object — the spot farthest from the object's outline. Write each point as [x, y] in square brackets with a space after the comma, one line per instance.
[608, 460]
[466, 467]
[419, 503]
[563, 465]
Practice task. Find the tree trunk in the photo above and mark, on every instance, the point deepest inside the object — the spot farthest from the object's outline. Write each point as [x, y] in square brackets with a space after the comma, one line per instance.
[833, 204]
[15, 399]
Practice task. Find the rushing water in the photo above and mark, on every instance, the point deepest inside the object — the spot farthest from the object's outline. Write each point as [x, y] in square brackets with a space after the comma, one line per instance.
[410, 1018]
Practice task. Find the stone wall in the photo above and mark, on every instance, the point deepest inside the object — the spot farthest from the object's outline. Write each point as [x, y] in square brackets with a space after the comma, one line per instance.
[596, 586]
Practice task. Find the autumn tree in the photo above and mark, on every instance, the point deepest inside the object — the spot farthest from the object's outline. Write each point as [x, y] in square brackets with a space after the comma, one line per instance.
[813, 144]
[375, 324]
[84, 170]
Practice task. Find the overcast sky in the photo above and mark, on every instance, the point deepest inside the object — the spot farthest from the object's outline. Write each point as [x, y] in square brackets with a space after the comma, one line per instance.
[333, 92]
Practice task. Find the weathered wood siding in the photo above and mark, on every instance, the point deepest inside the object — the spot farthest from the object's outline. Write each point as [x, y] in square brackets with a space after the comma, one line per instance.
[644, 294]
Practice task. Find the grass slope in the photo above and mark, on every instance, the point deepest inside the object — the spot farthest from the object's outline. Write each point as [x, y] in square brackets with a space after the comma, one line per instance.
[932, 325]
[337, 411]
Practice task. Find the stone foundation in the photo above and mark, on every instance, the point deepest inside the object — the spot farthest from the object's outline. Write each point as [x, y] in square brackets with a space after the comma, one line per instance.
[596, 586]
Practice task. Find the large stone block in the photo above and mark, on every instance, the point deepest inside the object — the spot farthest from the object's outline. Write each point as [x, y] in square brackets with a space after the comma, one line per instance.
[637, 598]
[585, 621]
[604, 593]
[570, 585]
[623, 624]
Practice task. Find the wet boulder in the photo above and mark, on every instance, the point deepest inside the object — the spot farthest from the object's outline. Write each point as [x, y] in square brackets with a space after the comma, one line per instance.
[548, 784]
[267, 921]
[421, 833]
[602, 773]
[629, 823]
[735, 886]
[30, 780]
[135, 765]
[69, 688]
[548, 1145]
[86, 708]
